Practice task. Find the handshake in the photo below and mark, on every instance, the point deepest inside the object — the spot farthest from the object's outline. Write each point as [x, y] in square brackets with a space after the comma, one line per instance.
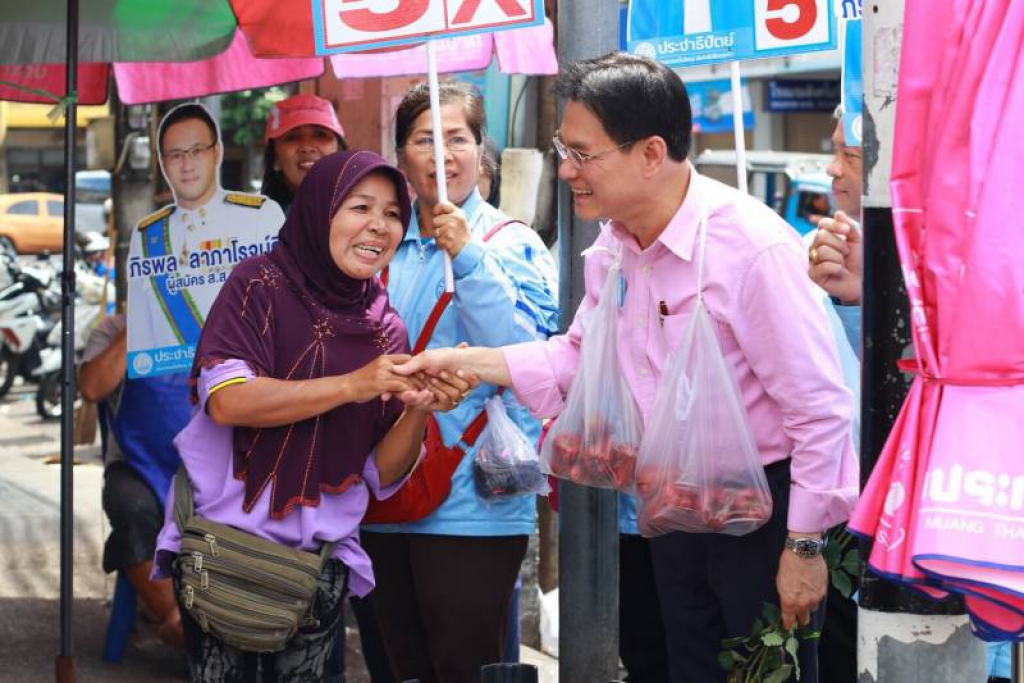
[434, 380]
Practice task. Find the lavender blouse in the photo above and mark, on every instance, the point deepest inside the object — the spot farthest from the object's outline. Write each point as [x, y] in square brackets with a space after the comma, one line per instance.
[206, 449]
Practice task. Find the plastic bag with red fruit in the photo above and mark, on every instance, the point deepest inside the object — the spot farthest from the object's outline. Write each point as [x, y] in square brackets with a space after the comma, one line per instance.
[699, 469]
[506, 464]
[596, 439]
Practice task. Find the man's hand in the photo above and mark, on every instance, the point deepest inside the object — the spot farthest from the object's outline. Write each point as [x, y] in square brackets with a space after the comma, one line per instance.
[836, 257]
[801, 583]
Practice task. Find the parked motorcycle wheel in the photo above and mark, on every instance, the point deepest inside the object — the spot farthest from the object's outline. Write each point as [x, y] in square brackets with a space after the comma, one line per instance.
[9, 362]
[48, 397]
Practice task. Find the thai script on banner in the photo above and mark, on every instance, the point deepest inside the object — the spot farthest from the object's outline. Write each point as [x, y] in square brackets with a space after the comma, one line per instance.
[690, 32]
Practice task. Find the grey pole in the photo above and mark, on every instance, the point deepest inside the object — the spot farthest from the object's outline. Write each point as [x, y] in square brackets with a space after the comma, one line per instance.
[902, 636]
[588, 553]
[65, 663]
[1018, 662]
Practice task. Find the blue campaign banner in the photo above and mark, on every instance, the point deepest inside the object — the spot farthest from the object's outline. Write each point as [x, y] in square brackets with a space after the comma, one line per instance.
[151, 362]
[850, 9]
[853, 83]
[786, 95]
[711, 102]
[682, 33]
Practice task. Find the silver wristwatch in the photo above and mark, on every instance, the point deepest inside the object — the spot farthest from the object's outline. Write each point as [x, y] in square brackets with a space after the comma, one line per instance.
[805, 547]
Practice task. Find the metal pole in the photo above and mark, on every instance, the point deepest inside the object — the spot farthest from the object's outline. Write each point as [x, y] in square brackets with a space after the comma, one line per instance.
[65, 664]
[1018, 662]
[902, 636]
[588, 552]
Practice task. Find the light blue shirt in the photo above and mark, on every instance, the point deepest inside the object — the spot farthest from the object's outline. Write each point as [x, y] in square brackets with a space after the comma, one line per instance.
[505, 293]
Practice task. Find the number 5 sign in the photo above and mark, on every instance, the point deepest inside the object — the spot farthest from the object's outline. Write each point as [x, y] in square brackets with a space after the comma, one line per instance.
[351, 25]
[691, 32]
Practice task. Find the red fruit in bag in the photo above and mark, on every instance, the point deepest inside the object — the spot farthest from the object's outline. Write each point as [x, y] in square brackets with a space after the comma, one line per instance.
[623, 465]
[647, 482]
[565, 449]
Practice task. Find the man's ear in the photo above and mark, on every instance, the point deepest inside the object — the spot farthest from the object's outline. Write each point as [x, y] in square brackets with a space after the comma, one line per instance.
[655, 154]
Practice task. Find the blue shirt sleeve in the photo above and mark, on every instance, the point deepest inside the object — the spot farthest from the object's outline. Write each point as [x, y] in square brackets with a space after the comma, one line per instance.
[506, 289]
[850, 317]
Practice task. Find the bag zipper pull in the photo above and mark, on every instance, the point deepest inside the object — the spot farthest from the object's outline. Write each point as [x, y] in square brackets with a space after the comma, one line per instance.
[212, 540]
[197, 562]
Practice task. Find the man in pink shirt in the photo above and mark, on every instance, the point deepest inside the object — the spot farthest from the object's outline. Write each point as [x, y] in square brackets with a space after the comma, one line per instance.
[623, 140]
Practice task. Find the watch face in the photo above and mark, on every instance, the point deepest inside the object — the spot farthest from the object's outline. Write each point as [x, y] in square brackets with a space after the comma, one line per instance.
[806, 547]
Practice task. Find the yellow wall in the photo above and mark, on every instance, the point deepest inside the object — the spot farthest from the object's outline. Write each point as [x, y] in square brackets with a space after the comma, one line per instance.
[19, 115]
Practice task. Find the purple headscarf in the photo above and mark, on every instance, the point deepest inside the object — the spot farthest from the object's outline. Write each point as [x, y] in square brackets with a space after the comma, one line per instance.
[294, 315]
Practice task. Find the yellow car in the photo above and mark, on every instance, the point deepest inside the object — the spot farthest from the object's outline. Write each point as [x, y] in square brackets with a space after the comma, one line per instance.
[32, 222]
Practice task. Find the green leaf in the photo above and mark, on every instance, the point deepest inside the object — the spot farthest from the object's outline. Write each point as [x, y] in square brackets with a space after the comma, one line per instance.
[771, 612]
[733, 643]
[843, 584]
[727, 660]
[780, 675]
[758, 627]
[792, 645]
[851, 562]
[772, 639]
[807, 633]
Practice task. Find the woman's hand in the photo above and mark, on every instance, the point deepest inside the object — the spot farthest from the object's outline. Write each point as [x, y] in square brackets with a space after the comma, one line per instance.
[377, 378]
[443, 392]
[451, 232]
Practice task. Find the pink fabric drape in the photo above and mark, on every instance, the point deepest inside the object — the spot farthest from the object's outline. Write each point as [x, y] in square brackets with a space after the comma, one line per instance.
[945, 503]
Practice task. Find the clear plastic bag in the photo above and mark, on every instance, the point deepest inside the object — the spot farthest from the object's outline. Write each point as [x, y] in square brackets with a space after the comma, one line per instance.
[596, 439]
[506, 464]
[699, 469]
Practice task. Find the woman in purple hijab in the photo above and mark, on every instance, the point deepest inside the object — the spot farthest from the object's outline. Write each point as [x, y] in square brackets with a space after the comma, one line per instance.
[299, 415]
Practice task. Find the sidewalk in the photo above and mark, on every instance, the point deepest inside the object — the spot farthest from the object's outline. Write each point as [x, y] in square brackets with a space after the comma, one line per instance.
[30, 580]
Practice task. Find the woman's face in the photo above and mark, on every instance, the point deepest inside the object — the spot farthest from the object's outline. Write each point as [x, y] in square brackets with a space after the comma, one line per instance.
[296, 151]
[367, 228]
[461, 168]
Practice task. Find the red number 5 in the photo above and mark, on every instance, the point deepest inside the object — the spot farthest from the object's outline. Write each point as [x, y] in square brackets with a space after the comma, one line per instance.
[791, 30]
[406, 13]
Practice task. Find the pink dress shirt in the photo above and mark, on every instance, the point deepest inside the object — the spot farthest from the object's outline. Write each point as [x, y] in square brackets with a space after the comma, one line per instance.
[772, 330]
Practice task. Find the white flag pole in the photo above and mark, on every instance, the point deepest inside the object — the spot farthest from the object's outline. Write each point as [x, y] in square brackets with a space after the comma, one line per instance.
[737, 124]
[435, 118]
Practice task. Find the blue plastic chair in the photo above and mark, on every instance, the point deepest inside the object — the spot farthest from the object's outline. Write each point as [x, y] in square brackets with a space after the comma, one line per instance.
[122, 620]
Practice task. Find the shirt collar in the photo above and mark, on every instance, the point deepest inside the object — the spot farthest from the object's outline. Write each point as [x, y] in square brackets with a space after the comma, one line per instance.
[215, 200]
[469, 207]
[681, 232]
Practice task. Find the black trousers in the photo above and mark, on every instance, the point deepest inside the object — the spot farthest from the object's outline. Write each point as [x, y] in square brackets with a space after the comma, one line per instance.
[641, 630]
[442, 601]
[713, 586]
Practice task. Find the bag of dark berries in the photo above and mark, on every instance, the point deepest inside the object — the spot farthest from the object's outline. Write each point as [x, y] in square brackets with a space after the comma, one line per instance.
[506, 464]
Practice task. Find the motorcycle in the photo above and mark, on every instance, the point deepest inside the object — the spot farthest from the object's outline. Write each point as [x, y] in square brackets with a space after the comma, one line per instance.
[29, 307]
[88, 310]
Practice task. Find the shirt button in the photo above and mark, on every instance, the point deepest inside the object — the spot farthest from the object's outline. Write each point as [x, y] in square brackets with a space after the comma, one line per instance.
[640, 321]
[644, 372]
[646, 269]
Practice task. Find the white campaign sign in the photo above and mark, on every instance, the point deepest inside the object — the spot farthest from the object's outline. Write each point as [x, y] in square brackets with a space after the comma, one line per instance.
[352, 25]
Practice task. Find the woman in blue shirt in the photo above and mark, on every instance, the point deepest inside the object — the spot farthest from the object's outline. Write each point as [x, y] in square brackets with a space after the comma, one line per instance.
[444, 582]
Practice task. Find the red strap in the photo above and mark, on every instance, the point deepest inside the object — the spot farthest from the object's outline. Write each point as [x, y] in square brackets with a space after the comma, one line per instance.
[428, 329]
[441, 304]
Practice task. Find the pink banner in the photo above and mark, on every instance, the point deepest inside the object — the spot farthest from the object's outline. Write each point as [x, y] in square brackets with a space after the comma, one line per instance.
[521, 51]
[234, 69]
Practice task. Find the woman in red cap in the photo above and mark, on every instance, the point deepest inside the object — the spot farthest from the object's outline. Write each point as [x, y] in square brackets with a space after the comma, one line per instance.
[300, 130]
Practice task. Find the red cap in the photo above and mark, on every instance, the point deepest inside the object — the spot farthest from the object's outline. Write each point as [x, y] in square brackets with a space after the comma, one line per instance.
[302, 110]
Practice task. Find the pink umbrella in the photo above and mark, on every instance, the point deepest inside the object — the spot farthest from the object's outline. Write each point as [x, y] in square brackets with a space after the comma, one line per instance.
[945, 504]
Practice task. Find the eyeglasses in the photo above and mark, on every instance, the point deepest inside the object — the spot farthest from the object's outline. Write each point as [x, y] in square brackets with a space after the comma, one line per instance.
[456, 143]
[177, 157]
[579, 158]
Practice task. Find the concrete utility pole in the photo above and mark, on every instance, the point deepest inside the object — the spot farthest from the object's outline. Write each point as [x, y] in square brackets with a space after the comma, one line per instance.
[588, 551]
[903, 636]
